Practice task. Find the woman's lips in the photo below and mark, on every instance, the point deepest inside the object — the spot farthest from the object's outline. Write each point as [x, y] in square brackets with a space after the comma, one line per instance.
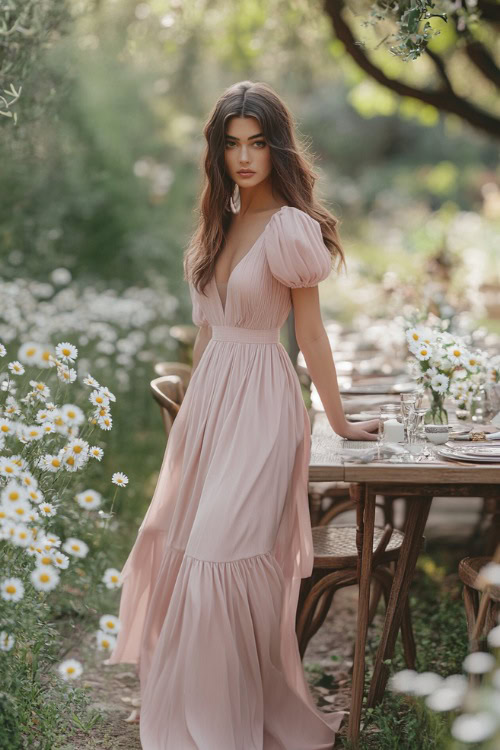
[246, 173]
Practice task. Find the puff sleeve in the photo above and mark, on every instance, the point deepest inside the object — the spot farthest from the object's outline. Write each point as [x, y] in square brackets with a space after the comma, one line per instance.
[295, 250]
[198, 317]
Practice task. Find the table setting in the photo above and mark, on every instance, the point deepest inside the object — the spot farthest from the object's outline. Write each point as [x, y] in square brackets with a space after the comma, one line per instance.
[403, 436]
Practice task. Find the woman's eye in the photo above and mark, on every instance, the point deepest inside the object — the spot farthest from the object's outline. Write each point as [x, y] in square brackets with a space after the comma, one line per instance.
[260, 142]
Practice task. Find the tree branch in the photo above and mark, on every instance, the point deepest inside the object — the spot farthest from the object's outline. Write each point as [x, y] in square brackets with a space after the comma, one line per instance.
[479, 55]
[490, 11]
[441, 69]
[444, 100]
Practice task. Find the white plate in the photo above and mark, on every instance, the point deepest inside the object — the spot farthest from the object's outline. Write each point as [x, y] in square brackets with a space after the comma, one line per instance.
[482, 450]
[460, 456]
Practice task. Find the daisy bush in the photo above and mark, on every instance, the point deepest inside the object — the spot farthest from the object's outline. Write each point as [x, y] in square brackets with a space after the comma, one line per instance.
[54, 527]
[446, 365]
[469, 704]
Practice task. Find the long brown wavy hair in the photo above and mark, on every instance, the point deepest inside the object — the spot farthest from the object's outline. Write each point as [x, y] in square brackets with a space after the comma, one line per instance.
[292, 176]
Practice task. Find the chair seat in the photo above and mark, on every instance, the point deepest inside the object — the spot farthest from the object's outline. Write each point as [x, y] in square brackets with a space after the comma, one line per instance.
[335, 546]
[468, 570]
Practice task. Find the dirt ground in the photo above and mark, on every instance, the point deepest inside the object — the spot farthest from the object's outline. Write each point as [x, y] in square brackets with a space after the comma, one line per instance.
[109, 684]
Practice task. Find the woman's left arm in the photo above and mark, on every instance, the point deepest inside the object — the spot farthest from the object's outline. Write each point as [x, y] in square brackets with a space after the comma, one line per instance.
[315, 346]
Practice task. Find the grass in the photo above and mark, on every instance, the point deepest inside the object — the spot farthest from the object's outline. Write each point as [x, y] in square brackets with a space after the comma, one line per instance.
[439, 625]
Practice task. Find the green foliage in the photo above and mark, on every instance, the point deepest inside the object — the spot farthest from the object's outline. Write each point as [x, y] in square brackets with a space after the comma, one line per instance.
[27, 27]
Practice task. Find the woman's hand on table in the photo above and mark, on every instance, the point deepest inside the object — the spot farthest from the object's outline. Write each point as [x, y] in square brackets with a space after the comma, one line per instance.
[360, 430]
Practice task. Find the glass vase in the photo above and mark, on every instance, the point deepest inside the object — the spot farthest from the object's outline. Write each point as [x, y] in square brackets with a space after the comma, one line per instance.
[436, 413]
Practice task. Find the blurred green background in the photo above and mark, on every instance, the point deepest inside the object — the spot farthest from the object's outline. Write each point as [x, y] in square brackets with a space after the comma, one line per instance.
[101, 172]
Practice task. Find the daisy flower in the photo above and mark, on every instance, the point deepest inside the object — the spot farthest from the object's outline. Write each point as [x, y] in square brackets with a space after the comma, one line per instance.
[35, 496]
[13, 493]
[107, 393]
[12, 589]
[48, 428]
[105, 642]
[50, 462]
[88, 499]
[23, 536]
[119, 479]
[439, 383]
[423, 352]
[28, 481]
[96, 452]
[7, 427]
[89, 380]
[50, 540]
[6, 641]
[47, 510]
[44, 415]
[59, 559]
[98, 398]
[66, 374]
[19, 510]
[8, 467]
[3, 350]
[75, 547]
[102, 411]
[44, 577]
[72, 463]
[11, 406]
[78, 447]
[30, 353]
[112, 578]
[414, 336]
[41, 388]
[43, 557]
[70, 669]
[72, 414]
[105, 423]
[457, 354]
[32, 432]
[16, 367]
[66, 351]
[109, 623]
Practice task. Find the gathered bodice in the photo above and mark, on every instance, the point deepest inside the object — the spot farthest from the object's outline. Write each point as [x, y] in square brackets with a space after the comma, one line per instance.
[289, 253]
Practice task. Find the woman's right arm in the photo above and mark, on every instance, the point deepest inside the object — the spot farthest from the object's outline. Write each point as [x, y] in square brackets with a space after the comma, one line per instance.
[202, 338]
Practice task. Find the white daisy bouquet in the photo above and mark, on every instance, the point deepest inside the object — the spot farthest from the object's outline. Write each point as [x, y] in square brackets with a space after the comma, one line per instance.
[51, 521]
[440, 356]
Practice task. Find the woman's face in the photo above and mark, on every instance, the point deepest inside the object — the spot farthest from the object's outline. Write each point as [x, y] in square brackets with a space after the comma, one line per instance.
[246, 149]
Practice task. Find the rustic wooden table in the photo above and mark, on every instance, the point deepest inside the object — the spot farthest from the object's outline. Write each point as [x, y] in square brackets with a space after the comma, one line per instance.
[418, 481]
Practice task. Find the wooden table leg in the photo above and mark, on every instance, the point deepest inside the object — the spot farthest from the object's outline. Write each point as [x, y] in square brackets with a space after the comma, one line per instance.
[364, 540]
[405, 568]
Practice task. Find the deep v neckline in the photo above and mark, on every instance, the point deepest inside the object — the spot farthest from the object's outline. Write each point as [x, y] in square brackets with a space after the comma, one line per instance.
[227, 283]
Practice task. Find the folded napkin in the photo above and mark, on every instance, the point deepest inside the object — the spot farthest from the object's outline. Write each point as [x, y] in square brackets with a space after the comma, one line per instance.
[483, 436]
[364, 456]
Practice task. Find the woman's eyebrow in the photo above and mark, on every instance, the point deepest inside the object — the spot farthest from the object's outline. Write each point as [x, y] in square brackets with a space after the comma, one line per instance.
[233, 137]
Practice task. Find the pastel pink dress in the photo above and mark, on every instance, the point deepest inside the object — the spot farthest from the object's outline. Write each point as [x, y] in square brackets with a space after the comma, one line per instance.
[211, 585]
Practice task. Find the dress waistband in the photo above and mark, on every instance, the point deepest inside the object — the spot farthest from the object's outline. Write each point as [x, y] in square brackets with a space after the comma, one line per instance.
[246, 335]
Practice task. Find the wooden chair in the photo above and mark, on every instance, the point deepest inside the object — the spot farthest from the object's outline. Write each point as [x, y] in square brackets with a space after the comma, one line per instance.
[336, 566]
[178, 369]
[481, 607]
[166, 392]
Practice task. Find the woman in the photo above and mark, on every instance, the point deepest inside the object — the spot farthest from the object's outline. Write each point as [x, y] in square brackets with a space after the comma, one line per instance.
[211, 585]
